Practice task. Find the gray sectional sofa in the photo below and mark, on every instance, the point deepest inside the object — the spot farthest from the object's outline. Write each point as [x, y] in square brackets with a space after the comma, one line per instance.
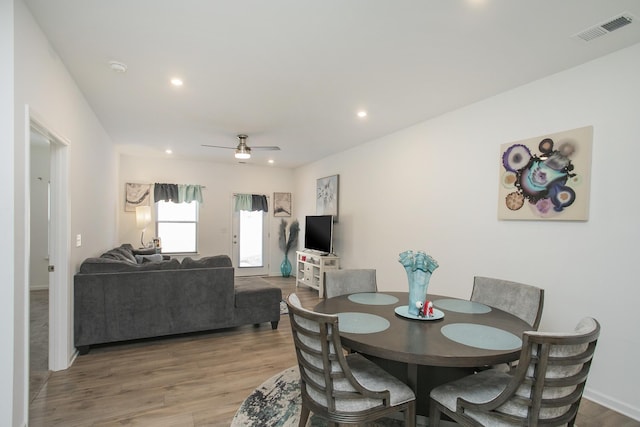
[118, 297]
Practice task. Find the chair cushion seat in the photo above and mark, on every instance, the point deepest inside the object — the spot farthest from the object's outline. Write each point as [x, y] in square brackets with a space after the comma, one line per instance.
[479, 388]
[374, 378]
[483, 387]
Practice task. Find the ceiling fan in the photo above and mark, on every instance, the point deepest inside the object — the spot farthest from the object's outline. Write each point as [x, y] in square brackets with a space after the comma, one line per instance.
[243, 151]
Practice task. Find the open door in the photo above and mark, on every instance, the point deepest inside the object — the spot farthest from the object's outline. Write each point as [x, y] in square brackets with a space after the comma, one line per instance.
[250, 242]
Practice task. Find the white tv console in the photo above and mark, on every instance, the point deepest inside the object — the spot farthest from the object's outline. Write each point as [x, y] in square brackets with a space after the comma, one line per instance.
[310, 269]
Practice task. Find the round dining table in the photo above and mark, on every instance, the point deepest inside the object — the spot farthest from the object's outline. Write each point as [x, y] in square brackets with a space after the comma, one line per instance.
[425, 352]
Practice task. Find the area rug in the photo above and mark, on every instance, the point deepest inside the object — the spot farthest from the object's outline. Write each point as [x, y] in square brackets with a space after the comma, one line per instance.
[283, 307]
[276, 403]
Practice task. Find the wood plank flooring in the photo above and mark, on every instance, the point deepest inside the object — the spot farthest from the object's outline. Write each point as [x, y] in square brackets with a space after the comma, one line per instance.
[192, 380]
[38, 341]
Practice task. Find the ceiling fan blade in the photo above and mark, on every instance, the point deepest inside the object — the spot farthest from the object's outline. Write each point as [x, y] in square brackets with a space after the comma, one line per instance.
[266, 148]
[217, 146]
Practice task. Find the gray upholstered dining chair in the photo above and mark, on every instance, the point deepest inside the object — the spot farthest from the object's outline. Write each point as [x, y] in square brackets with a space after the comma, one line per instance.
[349, 281]
[341, 388]
[544, 390]
[524, 301]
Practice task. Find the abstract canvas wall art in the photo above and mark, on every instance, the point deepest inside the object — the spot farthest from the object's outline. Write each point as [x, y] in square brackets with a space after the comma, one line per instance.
[327, 196]
[136, 195]
[281, 204]
[546, 177]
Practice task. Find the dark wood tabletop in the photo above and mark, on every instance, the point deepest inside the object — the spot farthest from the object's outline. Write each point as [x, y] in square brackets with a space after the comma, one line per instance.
[421, 342]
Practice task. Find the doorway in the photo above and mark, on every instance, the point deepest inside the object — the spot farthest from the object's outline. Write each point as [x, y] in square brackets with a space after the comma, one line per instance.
[250, 242]
[39, 217]
[58, 293]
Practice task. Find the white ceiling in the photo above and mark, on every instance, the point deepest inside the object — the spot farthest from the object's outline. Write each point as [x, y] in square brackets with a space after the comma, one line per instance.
[293, 73]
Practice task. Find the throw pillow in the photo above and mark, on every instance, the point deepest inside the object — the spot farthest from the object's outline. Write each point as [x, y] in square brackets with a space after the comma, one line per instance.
[148, 258]
[120, 254]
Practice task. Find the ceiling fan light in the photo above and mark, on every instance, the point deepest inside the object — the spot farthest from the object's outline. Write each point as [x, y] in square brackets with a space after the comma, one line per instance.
[242, 154]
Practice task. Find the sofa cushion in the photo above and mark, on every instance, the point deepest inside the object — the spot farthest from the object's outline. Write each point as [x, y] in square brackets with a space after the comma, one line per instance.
[207, 262]
[107, 265]
[255, 292]
[148, 258]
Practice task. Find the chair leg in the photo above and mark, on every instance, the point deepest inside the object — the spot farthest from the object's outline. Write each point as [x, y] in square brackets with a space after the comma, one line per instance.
[434, 414]
[410, 415]
[304, 416]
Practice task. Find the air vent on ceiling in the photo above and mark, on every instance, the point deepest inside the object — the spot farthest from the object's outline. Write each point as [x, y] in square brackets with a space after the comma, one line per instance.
[606, 27]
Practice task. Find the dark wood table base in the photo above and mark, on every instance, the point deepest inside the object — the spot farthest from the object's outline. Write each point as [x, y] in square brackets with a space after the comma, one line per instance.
[428, 377]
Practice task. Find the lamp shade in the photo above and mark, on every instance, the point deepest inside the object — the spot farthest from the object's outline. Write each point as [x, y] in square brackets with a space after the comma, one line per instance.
[143, 216]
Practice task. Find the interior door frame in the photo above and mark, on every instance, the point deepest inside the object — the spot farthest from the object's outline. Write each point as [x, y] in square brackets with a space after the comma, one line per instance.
[266, 235]
[59, 285]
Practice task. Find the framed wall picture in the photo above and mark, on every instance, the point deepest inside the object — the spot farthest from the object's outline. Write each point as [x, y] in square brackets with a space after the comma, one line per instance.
[546, 177]
[281, 204]
[136, 195]
[327, 196]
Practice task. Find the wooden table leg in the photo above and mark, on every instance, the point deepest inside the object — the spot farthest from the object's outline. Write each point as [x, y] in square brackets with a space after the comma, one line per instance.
[412, 377]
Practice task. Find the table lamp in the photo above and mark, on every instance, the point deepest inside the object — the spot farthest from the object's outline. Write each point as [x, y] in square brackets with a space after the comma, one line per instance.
[143, 218]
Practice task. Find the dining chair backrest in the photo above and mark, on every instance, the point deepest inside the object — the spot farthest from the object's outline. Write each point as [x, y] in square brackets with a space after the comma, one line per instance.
[339, 387]
[325, 377]
[544, 390]
[548, 383]
[349, 281]
[523, 301]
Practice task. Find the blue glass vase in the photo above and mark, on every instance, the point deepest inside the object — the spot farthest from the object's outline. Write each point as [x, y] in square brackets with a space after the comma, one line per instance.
[285, 267]
[419, 267]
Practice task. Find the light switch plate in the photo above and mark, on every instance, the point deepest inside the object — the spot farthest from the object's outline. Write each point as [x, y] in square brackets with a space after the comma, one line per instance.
[78, 240]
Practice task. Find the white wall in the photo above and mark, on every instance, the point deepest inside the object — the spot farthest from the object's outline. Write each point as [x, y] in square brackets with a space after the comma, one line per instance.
[434, 187]
[7, 269]
[221, 181]
[43, 83]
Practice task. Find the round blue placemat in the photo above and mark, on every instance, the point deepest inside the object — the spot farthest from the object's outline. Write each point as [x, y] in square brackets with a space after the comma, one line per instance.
[481, 336]
[462, 306]
[372, 298]
[361, 323]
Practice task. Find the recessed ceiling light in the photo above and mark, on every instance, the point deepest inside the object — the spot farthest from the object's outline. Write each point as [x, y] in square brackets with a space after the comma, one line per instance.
[168, 151]
[362, 114]
[176, 82]
[271, 161]
[118, 67]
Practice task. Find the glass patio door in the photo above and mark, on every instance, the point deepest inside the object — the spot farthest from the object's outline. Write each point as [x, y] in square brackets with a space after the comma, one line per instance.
[250, 236]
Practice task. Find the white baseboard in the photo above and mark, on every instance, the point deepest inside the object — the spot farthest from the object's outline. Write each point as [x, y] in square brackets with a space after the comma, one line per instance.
[613, 404]
[73, 357]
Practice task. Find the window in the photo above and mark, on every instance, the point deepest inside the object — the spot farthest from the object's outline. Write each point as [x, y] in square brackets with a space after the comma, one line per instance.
[177, 225]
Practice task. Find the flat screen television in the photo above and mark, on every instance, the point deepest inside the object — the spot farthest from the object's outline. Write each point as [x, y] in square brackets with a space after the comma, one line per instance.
[318, 233]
